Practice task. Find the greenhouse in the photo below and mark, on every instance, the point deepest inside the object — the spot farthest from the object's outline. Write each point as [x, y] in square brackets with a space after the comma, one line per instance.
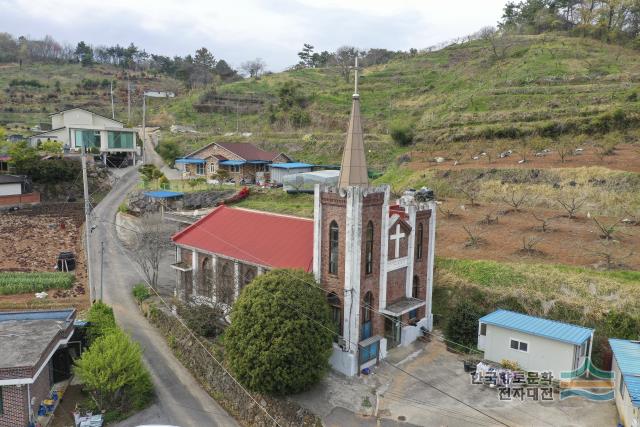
[305, 182]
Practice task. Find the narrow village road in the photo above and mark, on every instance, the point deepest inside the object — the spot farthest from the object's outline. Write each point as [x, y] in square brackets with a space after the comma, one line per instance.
[180, 399]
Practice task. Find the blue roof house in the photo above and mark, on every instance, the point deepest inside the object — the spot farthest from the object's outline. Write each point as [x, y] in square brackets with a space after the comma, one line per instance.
[536, 344]
[626, 368]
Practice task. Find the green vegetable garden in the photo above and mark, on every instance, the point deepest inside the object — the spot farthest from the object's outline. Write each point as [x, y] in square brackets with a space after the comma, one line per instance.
[26, 282]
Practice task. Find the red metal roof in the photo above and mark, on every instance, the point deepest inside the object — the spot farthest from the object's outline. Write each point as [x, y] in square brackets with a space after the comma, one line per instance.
[262, 238]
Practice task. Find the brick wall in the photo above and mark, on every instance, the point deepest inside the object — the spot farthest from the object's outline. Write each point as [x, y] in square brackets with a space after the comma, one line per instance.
[372, 212]
[15, 412]
[41, 388]
[29, 198]
[420, 266]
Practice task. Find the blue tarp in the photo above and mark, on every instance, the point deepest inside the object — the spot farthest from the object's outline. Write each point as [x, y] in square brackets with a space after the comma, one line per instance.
[163, 194]
[293, 165]
[232, 162]
[190, 161]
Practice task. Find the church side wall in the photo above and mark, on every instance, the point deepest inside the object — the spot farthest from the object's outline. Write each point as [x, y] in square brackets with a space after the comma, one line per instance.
[421, 265]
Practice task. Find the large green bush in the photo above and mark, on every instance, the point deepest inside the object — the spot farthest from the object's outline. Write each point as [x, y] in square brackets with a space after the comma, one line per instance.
[280, 338]
[113, 373]
[462, 327]
[402, 132]
[101, 321]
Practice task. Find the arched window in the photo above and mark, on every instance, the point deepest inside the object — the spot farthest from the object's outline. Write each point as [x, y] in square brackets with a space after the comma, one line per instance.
[206, 276]
[334, 237]
[248, 276]
[419, 237]
[367, 307]
[368, 252]
[225, 288]
[336, 313]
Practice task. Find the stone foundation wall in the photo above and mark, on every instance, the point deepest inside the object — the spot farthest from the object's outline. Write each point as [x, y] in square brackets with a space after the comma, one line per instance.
[220, 385]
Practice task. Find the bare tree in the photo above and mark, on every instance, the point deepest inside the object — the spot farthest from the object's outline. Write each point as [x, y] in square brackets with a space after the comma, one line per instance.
[471, 191]
[149, 245]
[516, 198]
[565, 147]
[474, 239]
[571, 203]
[543, 220]
[607, 230]
[498, 41]
[490, 218]
[529, 244]
[254, 67]
[449, 213]
[610, 254]
[345, 57]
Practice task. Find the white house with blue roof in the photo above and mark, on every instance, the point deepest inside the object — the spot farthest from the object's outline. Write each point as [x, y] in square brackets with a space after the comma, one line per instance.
[626, 367]
[536, 344]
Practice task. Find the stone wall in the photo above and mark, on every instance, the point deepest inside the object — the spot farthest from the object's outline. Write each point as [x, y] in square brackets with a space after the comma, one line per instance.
[220, 385]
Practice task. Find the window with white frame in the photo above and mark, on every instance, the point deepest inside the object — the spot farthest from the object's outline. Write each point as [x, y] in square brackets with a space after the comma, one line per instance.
[212, 167]
[483, 329]
[519, 345]
[200, 169]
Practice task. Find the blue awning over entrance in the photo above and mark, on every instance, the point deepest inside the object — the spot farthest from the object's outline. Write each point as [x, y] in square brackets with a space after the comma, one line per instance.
[190, 161]
[232, 162]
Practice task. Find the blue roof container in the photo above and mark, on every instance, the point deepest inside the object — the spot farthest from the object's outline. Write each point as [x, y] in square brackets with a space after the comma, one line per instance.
[627, 355]
[163, 194]
[532, 325]
[292, 165]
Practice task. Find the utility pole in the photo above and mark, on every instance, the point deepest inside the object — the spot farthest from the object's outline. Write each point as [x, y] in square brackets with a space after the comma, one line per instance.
[101, 267]
[144, 125]
[113, 111]
[129, 102]
[237, 117]
[87, 225]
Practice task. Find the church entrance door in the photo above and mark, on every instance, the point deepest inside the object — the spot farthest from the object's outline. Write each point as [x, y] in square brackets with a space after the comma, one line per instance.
[392, 331]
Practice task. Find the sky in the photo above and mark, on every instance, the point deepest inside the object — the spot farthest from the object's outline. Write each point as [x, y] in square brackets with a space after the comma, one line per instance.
[238, 30]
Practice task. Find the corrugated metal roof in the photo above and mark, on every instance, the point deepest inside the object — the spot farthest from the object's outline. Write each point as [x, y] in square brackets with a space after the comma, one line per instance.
[190, 161]
[627, 354]
[292, 165]
[262, 238]
[232, 162]
[546, 328]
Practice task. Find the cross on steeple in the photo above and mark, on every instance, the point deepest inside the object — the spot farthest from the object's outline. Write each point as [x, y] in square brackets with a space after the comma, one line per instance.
[353, 169]
[396, 237]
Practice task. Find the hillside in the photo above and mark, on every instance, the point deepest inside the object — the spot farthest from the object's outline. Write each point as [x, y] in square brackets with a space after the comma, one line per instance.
[36, 90]
[546, 83]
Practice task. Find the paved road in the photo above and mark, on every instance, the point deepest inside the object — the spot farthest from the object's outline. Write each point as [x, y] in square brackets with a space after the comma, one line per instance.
[180, 399]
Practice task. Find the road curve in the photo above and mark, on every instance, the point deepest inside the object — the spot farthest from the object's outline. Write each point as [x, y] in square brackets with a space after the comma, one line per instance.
[180, 399]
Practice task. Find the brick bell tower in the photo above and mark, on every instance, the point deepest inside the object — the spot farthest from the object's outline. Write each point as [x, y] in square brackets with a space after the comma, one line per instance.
[363, 256]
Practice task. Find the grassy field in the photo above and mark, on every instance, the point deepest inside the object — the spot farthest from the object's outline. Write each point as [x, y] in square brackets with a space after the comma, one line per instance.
[277, 201]
[22, 283]
[607, 301]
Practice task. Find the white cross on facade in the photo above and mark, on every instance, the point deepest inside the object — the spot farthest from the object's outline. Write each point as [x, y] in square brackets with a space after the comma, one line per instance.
[397, 238]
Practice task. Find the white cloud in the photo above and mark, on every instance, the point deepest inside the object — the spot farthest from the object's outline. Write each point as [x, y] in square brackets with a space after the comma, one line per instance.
[241, 29]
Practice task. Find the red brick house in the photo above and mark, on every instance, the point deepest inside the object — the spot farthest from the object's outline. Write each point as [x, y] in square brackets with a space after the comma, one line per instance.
[30, 342]
[373, 257]
[241, 160]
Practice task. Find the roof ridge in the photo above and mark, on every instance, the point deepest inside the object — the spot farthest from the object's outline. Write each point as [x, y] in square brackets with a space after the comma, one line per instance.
[270, 213]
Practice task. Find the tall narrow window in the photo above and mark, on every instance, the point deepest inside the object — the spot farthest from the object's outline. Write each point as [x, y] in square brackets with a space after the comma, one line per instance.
[415, 291]
[336, 313]
[419, 235]
[206, 278]
[1, 402]
[368, 256]
[367, 307]
[334, 237]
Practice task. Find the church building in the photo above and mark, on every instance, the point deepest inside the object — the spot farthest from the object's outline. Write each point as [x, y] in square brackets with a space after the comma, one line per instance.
[374, 257]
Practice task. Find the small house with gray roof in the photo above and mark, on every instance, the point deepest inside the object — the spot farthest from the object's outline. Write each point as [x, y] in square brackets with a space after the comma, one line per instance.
[33, 355]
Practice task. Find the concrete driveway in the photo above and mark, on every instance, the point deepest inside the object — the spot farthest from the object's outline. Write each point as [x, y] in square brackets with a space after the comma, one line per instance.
[390, 397]
[416, 402]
